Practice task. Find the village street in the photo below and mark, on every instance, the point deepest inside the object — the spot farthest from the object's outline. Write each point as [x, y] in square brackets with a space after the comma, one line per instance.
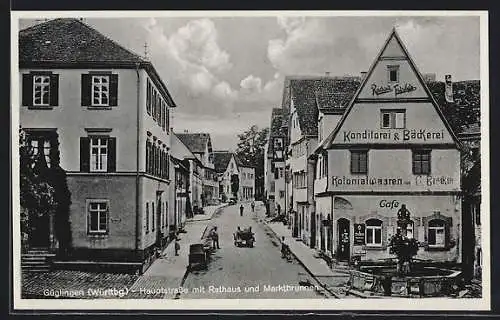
[234, 269]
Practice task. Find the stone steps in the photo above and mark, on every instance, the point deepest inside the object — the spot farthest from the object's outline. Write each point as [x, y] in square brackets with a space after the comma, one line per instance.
[36, 260]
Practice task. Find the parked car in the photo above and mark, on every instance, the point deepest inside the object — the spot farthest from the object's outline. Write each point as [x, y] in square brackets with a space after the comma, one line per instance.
[198, 257]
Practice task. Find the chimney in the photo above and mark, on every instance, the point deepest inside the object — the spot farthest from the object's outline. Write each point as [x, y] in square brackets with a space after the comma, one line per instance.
[448, 88]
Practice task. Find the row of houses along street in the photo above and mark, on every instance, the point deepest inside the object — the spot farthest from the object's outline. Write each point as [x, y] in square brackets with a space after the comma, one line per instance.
[345, 154]
[346, 158]
[101, 115]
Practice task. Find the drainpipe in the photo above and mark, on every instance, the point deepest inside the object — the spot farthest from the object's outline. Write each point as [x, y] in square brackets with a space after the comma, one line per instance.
[137, 182]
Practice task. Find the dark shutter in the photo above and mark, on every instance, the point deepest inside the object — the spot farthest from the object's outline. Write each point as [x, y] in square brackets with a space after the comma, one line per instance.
[54, 89]
[86, 90]
[113, 90]
[111, 154]
[27, 90]
[447, 230]
[84, 154]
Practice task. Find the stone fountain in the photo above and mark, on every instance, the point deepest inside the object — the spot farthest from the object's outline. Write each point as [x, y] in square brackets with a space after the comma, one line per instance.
[403, 276]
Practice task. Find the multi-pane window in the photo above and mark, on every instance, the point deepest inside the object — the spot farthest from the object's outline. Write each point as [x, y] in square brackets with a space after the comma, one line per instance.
[392, 119]
[98, 217]
[421, 161]
[98, 154]
[393, 73]
[100, 90]
[436, 233]
[374, 232]
[359, 161]
[41, 90]
[41, 147]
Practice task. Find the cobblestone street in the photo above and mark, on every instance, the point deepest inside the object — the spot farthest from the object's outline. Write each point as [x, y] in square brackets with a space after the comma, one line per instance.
[257, 272]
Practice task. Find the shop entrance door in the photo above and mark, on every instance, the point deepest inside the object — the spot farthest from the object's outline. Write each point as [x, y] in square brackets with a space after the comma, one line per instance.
[343, 239]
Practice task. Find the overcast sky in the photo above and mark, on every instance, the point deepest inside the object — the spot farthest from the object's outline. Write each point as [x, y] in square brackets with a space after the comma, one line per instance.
[226, 74]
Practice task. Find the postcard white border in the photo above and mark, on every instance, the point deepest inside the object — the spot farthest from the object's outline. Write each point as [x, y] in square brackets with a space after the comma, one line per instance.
[430, 304]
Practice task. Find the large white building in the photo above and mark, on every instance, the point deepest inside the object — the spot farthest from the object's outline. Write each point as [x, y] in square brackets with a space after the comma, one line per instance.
[101, 113]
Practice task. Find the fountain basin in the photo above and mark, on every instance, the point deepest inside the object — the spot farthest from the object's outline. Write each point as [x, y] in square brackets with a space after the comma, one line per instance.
[423, 281]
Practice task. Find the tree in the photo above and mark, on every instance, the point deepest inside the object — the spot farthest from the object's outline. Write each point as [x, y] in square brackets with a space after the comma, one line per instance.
[250, 151]
[43, 192]
[37, 197]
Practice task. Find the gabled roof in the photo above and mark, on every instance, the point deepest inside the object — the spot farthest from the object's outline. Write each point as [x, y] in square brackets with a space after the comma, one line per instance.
[196, 142]
[329, 140]
[70, 40]
[181, 151]
[242, 163]
[221, 160]
[328, 94]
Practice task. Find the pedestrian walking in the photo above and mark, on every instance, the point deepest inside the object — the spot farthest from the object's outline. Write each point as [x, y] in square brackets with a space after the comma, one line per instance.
[253, 206]
[215, 238]
[284, 248]
[241, 210]
[177, 246]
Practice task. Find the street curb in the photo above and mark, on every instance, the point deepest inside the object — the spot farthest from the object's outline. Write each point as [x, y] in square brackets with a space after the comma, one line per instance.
[212, 216]
[304, 266]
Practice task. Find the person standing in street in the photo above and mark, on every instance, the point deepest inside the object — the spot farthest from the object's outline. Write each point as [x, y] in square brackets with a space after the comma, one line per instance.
[241, 210]
[253, 206]
[215, 238]
[177, 246]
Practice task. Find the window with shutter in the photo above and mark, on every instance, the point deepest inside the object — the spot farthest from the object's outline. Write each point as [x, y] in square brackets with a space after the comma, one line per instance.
[85, 154]
[40, 89]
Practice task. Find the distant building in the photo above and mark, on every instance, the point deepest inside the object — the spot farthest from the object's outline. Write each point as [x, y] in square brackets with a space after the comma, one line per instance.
[101, 113]
[428, 77]
[200, 145]
[226, 167]
[274, 163]
[230, 167]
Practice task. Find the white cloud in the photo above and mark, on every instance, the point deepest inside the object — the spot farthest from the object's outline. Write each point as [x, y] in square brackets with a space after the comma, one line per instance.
[251, 83]
[196, 42]
[223, 90]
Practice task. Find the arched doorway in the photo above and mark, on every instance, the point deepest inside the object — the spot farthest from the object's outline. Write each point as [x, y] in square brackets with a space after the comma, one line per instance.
[344, 239]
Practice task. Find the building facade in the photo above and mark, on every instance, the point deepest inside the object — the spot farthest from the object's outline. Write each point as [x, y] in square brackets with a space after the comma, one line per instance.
[107, 113]
[391, 149]
[194, 183]
[200, 145]
[274, 163]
